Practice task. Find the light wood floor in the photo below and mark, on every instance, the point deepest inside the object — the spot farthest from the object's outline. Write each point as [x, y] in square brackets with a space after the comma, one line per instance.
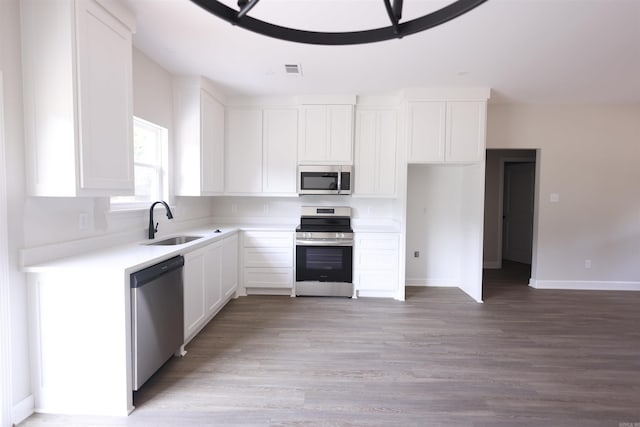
[523, 358]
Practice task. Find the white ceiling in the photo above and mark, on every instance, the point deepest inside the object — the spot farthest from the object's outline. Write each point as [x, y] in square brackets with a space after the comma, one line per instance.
[526, 51]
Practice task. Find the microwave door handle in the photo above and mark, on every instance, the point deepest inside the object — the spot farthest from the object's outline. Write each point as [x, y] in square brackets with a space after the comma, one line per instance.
[339, 182]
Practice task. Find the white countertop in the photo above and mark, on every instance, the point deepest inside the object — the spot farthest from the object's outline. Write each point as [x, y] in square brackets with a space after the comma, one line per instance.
[131, 257]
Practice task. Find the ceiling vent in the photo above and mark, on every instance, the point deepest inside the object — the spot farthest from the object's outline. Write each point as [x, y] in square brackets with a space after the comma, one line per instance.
[292, 70]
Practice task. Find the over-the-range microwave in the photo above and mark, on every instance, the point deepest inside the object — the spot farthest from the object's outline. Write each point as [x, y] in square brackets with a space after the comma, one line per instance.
[321, 179]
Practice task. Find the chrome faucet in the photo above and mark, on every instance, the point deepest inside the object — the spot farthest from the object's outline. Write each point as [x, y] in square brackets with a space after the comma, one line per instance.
[154, 229]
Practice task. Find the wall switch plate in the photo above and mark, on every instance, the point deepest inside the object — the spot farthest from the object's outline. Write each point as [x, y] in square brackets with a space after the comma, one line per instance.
[587, 263]
[554, 197]
[83, 221]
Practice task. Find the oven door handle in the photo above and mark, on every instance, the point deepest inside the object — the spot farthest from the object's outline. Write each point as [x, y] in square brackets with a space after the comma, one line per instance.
[324, 242]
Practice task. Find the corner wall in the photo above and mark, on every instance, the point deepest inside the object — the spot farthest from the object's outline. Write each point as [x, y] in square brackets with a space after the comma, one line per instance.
[10, 65]
[589, 158]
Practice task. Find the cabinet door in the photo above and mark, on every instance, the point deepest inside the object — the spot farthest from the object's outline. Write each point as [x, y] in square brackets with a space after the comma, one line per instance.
[366, 163]
[376, 262]
[229, 266]
[326, 134]
[340, 134]
[375, 162]
[194, 292]
[313, 134]
[465, 131]
[243, 151]
[427, 126]
[279, 145]
[213, 277]
[212, 144]
[106, 105]
[387, 149]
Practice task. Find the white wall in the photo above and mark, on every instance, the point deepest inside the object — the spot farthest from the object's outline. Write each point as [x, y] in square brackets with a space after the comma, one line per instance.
[14, 154]
[444, 223]
[286, 210]
[434, 225]
[589, 157]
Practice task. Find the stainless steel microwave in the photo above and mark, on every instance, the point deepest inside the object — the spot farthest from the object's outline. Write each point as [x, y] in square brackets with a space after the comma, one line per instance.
[331, 179]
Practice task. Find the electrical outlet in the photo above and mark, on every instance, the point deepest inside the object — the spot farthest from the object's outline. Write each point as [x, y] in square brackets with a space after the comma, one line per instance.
[265, 208]
[234, 208]
[83, 221]
[587, 263]
[416, 254]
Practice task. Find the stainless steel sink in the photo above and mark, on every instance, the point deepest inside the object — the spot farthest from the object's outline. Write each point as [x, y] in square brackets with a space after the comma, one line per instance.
[178, 240]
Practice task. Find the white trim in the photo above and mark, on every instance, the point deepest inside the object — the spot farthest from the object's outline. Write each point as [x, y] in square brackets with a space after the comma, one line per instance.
[23, 409]
[584, 285]
[5, 307]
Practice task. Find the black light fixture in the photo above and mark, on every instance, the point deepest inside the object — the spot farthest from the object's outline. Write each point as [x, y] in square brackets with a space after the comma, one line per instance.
[397, 29]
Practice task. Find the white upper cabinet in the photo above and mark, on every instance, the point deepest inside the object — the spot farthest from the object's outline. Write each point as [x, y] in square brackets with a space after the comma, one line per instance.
[427, 124]
[326, 134]
[279, 149]
[446, 131]
[78, 97]
[466, 131]
[243, 153]
[199, 139]
[261, 151]
[375, 160]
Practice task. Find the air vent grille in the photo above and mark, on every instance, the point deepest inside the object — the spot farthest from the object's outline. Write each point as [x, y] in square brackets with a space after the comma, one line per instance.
[292, 69]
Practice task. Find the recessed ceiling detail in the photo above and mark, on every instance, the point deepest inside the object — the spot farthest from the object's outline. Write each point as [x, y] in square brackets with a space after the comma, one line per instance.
[397, 29]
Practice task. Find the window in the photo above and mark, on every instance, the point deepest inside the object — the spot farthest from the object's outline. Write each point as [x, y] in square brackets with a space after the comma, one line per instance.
[150, 166]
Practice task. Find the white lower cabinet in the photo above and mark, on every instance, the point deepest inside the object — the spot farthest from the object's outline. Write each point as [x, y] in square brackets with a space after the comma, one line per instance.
[376, 264]
[210, 279]
[267, 261]
[229, 266]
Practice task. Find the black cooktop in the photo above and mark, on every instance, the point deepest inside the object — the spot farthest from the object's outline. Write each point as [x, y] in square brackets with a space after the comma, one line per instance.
[323, 224]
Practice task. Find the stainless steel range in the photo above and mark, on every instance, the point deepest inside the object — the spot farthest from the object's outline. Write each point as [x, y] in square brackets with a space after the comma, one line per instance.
[324, 252]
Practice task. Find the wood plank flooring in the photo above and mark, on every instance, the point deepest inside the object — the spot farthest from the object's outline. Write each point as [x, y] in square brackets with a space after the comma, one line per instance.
[523, 358]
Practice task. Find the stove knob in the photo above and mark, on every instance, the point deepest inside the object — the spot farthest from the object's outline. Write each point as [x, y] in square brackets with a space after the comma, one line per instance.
[307, 235]
[340, 236]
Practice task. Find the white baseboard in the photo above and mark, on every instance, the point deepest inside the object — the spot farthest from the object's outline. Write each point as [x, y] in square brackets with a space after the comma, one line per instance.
[492, 265]
[431, 283]
[584, 285]
[23, 409]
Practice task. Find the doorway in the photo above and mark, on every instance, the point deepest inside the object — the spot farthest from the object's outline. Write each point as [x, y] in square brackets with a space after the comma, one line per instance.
[517, 210]
[510, 206]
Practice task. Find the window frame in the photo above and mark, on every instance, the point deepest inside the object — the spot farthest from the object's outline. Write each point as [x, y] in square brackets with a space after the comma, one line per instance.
[161, 169]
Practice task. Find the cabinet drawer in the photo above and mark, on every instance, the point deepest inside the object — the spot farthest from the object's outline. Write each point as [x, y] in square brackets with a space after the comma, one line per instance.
[268, 239]
[268, 257]
[377, 280]
[384, 242]
[377, 259]
[268, 278]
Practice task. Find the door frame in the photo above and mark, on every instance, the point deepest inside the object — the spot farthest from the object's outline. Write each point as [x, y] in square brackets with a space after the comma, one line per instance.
[534, 241]
[5, 309]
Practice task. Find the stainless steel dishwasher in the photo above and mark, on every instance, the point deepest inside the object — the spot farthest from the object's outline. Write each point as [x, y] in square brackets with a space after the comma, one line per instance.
[157, 317]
